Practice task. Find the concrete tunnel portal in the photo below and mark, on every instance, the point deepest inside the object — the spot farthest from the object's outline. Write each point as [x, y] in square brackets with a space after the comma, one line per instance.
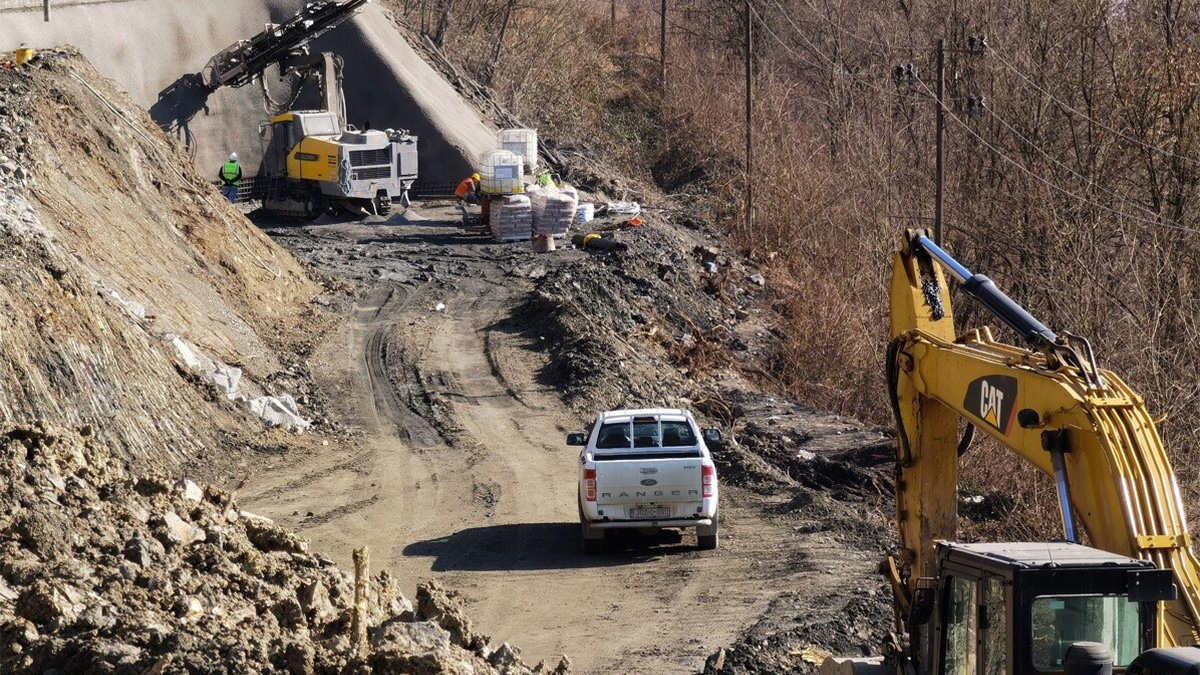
[155, 49]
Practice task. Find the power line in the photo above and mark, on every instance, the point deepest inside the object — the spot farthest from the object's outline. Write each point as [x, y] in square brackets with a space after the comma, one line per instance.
[1084, 115]
[798, 57]
[849, 33]
[1057, 162]
[833, 66]
[1021, 167]
[767, 27]
[1157, 221]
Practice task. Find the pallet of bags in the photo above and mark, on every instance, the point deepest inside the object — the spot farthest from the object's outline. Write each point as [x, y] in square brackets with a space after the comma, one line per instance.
[511, 218]
[553, 209]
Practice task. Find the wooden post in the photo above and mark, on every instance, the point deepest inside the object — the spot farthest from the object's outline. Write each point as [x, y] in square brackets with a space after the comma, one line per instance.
[939, 166]
[662, 45]
[749, 46]
[362, 576]
[46, 10]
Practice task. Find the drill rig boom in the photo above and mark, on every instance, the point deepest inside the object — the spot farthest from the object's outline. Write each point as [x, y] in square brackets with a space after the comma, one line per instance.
[242, 62]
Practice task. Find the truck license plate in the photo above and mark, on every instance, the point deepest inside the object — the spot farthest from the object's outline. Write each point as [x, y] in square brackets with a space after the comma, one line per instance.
[650, 514]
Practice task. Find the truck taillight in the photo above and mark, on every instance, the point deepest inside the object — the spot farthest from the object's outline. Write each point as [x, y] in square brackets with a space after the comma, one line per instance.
[589, 484]
[708, 479]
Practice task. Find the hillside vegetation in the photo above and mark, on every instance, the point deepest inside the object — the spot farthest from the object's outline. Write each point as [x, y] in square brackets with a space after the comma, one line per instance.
[1074, 191]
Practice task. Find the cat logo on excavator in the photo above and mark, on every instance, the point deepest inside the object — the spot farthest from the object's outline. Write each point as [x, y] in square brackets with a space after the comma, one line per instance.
[993, 398]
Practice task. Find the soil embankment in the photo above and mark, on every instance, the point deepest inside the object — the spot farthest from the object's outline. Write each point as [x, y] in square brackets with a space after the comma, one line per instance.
[116, 254]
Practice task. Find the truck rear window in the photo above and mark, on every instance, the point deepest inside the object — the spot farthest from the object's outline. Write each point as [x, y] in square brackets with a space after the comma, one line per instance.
[677, 434]
[614, 436]
[645, 433]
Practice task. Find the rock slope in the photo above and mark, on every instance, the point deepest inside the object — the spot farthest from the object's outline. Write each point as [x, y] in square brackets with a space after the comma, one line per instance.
[113, 253]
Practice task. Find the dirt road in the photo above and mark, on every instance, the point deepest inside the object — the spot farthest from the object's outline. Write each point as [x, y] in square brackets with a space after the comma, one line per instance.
[461, 473]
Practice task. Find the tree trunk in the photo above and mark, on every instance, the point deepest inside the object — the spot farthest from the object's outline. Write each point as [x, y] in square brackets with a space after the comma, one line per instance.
[443, 22]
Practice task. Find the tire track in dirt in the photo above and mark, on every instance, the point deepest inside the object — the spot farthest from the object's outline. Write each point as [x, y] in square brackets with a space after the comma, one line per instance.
[490, 509]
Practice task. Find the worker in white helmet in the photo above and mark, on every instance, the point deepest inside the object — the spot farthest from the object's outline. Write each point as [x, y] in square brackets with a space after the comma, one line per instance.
[231, 178]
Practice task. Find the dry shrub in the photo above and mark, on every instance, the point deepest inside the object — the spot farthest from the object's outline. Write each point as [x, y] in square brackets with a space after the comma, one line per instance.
[1077, 216]
[842, 165]
[565, 71]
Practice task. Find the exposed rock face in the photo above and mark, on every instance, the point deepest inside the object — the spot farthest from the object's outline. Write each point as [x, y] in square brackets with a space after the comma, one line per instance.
[109, 243]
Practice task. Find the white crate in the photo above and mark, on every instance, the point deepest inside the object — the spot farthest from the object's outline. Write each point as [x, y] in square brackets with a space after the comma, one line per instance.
[502, 173]
[522, 142]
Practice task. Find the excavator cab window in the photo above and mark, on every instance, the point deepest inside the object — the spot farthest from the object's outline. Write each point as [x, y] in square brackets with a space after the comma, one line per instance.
[961, 627]
[278, 140]
[1060, 621]
[993, 626]
[976, 626]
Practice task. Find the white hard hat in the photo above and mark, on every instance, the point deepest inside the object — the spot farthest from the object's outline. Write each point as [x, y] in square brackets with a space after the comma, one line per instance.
[233, 156]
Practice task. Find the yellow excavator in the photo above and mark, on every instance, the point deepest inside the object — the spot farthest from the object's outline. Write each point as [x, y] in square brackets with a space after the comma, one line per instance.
[1129, 601]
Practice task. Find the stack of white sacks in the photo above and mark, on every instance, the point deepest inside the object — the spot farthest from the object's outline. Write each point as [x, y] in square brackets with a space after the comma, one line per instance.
[511, 218]
[553, 208]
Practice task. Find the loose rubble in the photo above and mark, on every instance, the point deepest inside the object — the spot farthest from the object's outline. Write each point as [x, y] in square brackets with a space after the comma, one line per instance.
[103, 571]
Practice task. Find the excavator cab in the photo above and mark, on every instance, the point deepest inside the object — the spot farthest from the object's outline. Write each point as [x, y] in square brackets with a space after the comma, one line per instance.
[1020, 607]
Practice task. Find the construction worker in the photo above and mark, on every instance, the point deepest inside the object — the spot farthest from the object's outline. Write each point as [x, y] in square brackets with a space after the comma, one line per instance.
[468, 189]
[231, 177]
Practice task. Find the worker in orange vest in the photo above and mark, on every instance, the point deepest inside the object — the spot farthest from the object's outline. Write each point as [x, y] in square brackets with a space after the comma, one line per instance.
[469, 191]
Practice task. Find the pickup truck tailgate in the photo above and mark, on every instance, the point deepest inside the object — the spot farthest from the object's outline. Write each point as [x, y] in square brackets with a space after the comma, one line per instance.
[651, 480]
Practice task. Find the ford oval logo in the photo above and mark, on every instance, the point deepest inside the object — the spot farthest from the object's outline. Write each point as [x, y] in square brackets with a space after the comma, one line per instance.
[649, 481]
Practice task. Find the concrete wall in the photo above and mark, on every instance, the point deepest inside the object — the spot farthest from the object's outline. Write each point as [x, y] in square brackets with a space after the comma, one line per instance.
[154, 48]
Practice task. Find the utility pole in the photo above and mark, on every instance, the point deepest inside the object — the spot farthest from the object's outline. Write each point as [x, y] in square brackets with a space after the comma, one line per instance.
[941, 140]
[749, 127]
[46, 10]
[500, 39]
[662, 46]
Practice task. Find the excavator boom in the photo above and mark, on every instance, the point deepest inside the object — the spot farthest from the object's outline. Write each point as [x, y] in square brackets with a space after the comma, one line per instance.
[1048, 403]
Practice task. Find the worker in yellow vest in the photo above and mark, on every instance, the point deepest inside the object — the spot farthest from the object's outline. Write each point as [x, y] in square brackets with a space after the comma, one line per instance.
[231, 178]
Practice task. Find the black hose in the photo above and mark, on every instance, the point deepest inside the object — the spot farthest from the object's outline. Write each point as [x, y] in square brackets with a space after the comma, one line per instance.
[965, 443]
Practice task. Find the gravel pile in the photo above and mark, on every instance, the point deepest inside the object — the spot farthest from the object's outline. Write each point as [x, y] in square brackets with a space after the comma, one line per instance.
[103, 571]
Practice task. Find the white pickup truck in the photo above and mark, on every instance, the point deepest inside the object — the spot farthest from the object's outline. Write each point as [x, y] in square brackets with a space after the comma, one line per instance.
[646, 470]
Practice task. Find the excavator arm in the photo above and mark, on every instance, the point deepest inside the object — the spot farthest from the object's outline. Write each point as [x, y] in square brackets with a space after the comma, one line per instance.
[1049, 404]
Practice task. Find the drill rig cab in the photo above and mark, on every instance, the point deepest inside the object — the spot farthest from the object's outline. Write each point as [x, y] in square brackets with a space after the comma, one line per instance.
[313, 164]
[1128, 603]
